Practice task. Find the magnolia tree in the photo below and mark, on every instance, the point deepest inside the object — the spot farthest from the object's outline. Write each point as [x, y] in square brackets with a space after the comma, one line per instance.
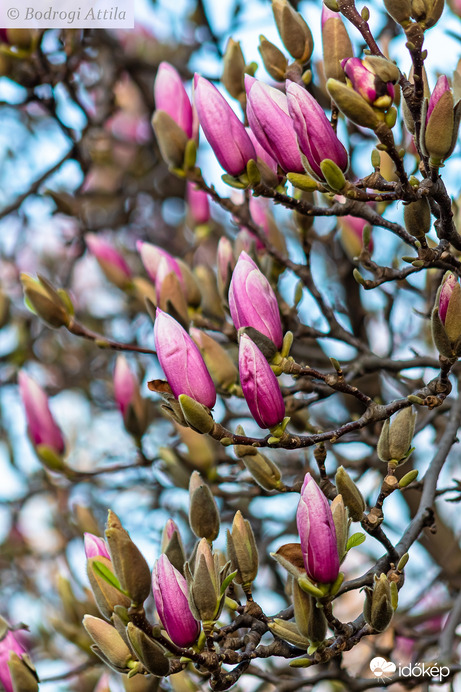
[298, 325]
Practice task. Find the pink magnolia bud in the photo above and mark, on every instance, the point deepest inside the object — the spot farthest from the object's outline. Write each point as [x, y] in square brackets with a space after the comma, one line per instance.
[368, 84]
[9, 644]
[170, 594]
[125, 384]
[169, 530]
[182, 361]
[445, 294]
[199, 206]
[223, 130]
[267, 113]
[317, 533]
[252, 302]
[352, 235]
[441, 87]
[42, 428]
[261, 153]
[95, 546]
[316, 138]
[170, 96]
[152, 255]
[109, 259]
[259, 385]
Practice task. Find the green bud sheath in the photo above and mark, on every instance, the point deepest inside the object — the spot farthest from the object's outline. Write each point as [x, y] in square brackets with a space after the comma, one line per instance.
[149, 652]
[197, 415]
[171, 139]
[23, 675]
[350, 493]
[352, 104]
[108, 640]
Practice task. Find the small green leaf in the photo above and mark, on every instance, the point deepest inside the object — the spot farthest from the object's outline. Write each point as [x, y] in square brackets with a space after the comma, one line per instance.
[355, 540]
[227, 581]
[108, 576]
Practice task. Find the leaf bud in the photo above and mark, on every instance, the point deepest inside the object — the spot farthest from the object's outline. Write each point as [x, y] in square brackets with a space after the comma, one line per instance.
[378, 610]
[274, 60]
[351, 495]
[108, 641]
[54, 307]
[417, 218]
[129, 564]
[395, 438]
[408, 478]
[171, 138]
[242, 551]
[203, 511]
[149, 652]
[265, 472]
[400, 10]
[233, 69]
[197, 415]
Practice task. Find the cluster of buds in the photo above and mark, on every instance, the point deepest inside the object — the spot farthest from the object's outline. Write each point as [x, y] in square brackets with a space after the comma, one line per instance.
[426, 12]
[16, 670]
[445, 320]
[44, 433]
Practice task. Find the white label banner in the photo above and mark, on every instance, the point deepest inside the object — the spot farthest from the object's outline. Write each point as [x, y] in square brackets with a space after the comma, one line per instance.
[67, 14]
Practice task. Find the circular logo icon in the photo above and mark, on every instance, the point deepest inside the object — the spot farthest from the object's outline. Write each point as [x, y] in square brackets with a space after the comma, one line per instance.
[380, 667]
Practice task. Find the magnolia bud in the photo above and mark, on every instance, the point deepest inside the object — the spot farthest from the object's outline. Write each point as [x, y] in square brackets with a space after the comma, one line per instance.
[274, 60]
[171, 138]
[377, 609]
[336, 45]
[294, 32]
[220, 365]
[197, 415]
[54, 307]
[342, 522]
[203, 511]
[129, 565]
[289, 632]
[400, 10]
[310, 620]
[233, 69]
[350, 493]
[242, 551]
[417, 217]
[395, 438]
[149, 652]
[108, 641]
[23, 675]
[206, 595]
[265, 472]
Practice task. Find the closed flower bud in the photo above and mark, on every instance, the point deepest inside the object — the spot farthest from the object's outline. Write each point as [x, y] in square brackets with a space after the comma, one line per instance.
[149, 652]
[129, 565]
[126, 390]
[223, 130]
[427, 12]
[218, 361]
[267, 165]
[181, 361]
[198, 205]
[225, 263]
[107, 597]
[294, 32]
[95, 546]
[252, 302]
[152, 256]
[52, 306]
[242, 551]
[310, 620]
[170, 97]
[108, 641]
[195, 414]
[203, 512]
[170, 594]
[446, 320]
[171, 138]
[44, 432]
[352, 104]
[289, 632]
[259, 385]
[417, 218]
[317, 534]
[110, 260]
[365, 78]
[351, 235]
[233, 69]
[170, 294]
[270, 122]
[350, 493]
[377, 610]
[12, 654]
[395, 438]
[342, 522]
[211, 302]
[316, 138]
[440, 123]
[336, 44]
[206, 598]
[274, 60]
